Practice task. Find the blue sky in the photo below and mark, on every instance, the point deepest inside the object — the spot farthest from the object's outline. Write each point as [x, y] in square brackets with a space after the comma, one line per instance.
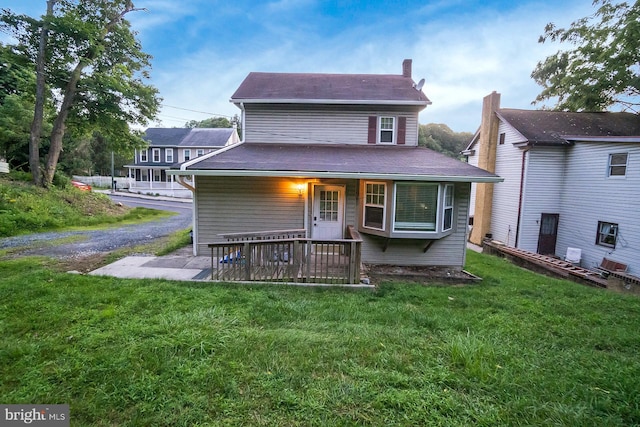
[203, 49]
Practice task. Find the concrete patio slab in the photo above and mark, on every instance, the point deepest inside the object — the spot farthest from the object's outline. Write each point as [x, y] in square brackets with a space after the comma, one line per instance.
[145, 267]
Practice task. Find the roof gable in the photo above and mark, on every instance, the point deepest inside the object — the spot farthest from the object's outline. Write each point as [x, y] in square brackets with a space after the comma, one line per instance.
[543, 127]
[329, 88]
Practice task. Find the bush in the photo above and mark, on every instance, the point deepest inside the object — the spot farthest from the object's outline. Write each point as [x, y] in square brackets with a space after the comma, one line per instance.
[60, 180]
[22, 176]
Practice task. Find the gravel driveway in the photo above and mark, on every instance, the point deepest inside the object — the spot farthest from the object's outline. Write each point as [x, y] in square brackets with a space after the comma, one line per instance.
[92, 242]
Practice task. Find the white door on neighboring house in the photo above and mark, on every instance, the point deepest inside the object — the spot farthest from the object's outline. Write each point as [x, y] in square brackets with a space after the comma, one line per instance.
[327, 221]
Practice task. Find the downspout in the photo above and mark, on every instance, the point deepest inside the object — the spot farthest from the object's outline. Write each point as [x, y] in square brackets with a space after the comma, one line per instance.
[521, 196]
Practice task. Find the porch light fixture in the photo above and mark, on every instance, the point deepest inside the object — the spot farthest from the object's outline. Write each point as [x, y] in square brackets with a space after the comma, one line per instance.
[300, 187]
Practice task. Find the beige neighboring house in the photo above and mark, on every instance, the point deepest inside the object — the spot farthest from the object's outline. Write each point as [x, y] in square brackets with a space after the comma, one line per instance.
[328, 153]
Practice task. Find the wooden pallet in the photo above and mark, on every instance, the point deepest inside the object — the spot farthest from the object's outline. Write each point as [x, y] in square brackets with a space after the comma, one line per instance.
[555, 265]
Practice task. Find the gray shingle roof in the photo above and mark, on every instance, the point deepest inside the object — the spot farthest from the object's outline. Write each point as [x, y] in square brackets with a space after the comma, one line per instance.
[358, 161]
[187, 137]
[559, 127]
[165, 137]
[329, 88]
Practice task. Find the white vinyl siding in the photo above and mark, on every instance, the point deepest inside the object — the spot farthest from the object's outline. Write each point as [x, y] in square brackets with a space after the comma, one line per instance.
[589, 196]
[543, 185]
[506, 194]
[286, 125]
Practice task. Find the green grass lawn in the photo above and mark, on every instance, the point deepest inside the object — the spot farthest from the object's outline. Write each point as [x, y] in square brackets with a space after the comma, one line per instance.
[517, 349]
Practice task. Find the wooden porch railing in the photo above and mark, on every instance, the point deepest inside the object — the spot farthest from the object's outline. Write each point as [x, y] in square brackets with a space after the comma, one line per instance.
[261, 258]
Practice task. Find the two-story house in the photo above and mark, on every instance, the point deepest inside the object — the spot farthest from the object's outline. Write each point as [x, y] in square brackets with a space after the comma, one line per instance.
[168, 146]
[571, 180]
[322, 152]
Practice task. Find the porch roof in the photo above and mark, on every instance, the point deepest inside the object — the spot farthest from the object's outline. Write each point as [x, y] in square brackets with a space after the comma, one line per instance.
[335, 161]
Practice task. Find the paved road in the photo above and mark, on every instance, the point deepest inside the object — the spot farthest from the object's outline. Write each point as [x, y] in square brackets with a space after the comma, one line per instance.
[86, 243]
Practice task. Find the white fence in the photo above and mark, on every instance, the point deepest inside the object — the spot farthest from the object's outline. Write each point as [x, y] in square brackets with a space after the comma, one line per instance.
[121, 182]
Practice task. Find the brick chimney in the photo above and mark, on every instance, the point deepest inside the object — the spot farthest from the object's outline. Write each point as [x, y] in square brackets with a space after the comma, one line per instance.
[406, 68]
[487, 148]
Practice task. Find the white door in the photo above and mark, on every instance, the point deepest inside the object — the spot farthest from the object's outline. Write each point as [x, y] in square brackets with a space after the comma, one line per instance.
[328, 212]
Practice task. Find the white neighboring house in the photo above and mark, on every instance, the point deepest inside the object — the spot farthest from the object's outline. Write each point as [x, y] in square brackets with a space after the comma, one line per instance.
[571, 180]
[169, 146]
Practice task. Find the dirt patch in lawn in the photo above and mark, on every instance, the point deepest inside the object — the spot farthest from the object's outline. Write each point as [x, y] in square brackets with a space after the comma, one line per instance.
[421, 274]
[83, 264]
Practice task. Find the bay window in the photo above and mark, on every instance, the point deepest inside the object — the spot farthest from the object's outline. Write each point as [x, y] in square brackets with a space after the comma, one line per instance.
[407, 209]
[416, 207]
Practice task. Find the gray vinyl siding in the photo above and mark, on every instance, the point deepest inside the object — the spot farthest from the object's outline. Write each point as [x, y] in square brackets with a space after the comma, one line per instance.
[506, 194]
[603, 198]
[449, 251]
[245, 204]
[544, 176]
[315, 125]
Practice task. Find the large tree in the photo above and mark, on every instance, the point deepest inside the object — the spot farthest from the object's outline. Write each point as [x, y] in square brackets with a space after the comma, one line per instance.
[602, 68]
[17, 86]
[89, 62]
[441, 138]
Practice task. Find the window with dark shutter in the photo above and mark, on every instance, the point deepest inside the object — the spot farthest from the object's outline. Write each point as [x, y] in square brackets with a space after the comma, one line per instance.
[372, 136]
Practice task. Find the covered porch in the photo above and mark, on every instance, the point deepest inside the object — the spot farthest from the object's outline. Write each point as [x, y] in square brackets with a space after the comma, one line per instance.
[287, 256]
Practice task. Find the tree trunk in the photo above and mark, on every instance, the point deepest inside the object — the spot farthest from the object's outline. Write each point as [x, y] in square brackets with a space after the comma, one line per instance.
[38, 112]
[57, 134]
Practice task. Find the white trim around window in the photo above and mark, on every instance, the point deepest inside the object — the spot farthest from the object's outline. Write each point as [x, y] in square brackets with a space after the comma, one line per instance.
[155, 155]
[386, 130]
[415, 207]
[144, 155]
[617, 165]
[168, 155]
[447, 207]
[607, 234]
[374, 216]
[186, 154]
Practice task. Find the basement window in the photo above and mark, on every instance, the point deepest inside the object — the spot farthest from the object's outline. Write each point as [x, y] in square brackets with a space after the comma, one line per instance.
[607, 234]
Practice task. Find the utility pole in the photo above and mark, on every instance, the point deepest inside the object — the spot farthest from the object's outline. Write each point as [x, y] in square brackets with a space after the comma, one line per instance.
[113, 180]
